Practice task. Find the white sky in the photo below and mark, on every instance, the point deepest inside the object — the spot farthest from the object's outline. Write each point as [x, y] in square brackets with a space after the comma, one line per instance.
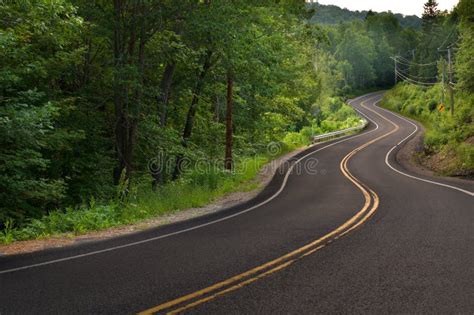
[407, 7]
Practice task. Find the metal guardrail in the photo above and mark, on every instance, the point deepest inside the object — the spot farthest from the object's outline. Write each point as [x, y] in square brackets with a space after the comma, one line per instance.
[337, 133]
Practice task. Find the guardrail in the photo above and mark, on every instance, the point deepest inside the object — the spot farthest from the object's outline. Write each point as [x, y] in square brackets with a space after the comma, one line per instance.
[338, 133]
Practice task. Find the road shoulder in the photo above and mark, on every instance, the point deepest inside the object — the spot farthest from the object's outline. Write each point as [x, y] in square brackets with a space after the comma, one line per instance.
[408, 158]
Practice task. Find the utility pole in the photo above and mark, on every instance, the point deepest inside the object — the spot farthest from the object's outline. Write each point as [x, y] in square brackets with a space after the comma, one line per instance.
[395, 69]
[450, 83]
[443, 80]
[228, 163]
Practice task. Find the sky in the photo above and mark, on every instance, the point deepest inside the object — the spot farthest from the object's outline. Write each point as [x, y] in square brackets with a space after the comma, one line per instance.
[407, 7]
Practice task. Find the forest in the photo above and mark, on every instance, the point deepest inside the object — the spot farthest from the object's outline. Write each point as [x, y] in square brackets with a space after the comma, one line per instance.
[112, 112]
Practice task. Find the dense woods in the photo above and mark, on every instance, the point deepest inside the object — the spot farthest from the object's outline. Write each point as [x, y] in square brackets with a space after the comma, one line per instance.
[109, 108]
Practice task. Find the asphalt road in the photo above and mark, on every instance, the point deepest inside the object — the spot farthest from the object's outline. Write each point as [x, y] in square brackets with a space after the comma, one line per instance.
[342, 232]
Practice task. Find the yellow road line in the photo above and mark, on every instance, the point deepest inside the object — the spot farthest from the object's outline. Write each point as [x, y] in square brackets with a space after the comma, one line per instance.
[383, 117]
[233, 288]
[287, 259]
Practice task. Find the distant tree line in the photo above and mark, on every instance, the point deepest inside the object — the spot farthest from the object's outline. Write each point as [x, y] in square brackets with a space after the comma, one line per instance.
[331, 14]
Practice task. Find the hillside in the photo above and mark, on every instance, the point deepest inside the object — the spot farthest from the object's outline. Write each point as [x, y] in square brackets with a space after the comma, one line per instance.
[331, 14]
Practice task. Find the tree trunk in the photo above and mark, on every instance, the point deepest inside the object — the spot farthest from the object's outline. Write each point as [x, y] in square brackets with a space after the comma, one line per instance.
[165, 89]
[118, 100]
[87, 63]
[166, 82]
[228, 162]
[217, 109]
[162, 102]
[188, 127]
[125, 125]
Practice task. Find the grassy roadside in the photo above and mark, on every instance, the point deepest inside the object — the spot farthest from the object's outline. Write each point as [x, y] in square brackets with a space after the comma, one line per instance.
[197, 187]
[449, 139]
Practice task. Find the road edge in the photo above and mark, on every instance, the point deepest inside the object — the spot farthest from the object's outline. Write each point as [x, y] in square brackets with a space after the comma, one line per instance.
[408, 162]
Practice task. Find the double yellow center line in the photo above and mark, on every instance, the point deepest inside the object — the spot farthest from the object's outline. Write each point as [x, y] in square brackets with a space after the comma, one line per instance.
[194, 299]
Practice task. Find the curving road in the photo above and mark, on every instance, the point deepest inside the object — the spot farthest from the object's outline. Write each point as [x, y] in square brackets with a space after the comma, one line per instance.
[345, 228]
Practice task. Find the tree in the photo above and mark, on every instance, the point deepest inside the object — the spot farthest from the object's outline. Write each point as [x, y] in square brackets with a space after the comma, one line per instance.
[464, 60]
[430, 12]
[228, 161]
[358, 49]
[38, 50]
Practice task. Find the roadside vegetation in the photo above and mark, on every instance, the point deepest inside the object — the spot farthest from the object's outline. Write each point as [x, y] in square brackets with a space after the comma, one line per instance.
[449, 138]
[108, 110]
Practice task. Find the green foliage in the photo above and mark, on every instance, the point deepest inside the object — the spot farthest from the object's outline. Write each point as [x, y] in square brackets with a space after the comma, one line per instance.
[37, 43]
[448, 137]
[464, 60]
[358, 49]
[444, 133]
[362, 50]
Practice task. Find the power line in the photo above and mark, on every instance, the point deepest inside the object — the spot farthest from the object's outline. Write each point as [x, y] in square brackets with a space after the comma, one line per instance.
[410, 64]
[416, 76]
[446, 39]
[406, 77]
[412, 81]
[407, 62]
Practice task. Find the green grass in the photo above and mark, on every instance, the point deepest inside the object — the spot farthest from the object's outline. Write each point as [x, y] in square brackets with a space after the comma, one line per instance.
[193, 190]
